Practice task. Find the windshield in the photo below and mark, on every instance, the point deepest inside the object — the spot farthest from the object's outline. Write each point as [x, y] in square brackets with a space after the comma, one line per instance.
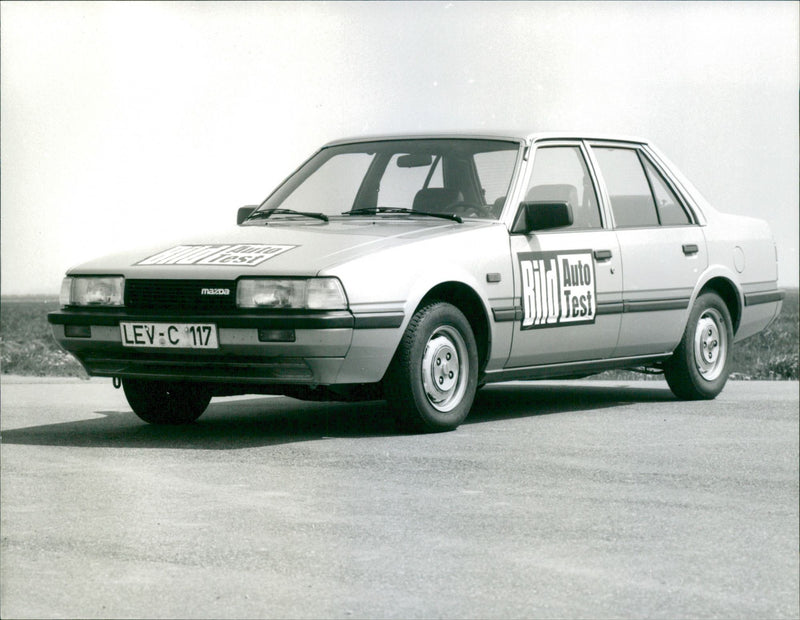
[464, 177]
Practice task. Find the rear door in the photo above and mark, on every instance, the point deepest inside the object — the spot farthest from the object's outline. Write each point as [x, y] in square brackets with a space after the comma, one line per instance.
[568, 279]
[662, 247]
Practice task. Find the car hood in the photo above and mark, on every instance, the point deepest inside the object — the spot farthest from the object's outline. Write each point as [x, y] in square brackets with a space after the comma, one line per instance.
[280, 248]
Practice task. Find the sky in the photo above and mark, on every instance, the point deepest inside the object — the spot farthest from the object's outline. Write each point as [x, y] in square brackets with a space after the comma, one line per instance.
[125, 124]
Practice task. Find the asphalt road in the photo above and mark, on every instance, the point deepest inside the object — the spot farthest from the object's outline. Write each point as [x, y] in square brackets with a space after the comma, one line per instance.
[574, 500]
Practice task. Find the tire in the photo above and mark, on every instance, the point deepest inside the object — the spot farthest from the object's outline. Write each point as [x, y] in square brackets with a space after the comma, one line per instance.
[433, 377]
[162, 402]
[699, 367]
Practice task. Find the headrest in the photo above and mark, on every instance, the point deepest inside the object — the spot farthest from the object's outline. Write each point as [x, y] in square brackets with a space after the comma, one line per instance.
[553, 193]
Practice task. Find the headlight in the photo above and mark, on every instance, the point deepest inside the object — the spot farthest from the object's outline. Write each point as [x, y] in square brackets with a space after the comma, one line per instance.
[92, 291]
[291, 293]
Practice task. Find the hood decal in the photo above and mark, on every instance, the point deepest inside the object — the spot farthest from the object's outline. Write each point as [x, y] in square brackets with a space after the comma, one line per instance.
[242, 254]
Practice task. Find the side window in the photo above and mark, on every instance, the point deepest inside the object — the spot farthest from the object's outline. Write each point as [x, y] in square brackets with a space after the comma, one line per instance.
[628, 189]
[404, 176]
[670, 211]
[560, 175]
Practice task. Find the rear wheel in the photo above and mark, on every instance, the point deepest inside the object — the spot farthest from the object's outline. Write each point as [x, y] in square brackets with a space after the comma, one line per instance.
[700, 366]
[166, 402]
[433, 377]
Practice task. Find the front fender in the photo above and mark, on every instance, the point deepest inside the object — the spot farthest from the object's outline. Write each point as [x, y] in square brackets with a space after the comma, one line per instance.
[393, 283]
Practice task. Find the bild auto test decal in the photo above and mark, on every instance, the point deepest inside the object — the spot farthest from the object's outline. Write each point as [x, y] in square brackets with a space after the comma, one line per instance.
[558, 288]
[243, 254]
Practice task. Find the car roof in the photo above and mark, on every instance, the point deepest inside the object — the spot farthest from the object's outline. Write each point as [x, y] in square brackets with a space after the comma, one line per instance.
[526, 137]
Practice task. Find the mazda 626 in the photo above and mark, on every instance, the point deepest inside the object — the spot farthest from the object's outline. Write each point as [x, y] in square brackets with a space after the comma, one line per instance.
[417, 269]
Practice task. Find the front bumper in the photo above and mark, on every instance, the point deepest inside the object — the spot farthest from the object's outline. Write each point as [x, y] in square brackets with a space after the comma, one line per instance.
[328, 347]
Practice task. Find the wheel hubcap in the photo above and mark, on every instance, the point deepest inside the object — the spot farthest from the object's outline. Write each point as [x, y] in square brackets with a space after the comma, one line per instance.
[710, 345]
[445, 368]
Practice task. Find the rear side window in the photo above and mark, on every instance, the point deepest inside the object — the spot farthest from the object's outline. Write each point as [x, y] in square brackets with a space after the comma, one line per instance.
[628, 189]
[670, 211]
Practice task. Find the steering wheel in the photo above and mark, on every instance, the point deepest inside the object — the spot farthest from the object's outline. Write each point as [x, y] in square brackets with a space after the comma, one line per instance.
[468, 209]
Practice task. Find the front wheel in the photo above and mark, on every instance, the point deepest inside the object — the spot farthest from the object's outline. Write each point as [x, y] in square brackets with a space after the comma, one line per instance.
[165, 402]
[700, 366]
[433, 377]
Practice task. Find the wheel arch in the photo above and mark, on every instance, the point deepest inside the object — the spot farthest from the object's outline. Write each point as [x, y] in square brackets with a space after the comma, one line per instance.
[467, 300]
[727, 290]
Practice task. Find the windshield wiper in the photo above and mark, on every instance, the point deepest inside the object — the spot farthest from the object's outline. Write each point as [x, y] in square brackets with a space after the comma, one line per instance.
[373, 210]
[265, 214]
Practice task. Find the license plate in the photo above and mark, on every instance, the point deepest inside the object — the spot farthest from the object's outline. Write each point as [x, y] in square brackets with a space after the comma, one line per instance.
[170, 335]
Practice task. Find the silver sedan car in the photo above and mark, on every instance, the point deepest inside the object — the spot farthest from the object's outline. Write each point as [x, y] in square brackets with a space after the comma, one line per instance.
[418, 268]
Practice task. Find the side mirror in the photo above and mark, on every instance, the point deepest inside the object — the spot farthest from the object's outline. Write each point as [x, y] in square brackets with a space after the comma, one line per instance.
[542, 216]
[243, 214]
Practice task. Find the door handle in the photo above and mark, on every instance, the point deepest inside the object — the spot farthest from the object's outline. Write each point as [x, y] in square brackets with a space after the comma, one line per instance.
[602, 255]
[690, 248]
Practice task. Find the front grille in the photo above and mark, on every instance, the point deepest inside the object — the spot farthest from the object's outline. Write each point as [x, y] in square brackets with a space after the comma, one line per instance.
[194, 295]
